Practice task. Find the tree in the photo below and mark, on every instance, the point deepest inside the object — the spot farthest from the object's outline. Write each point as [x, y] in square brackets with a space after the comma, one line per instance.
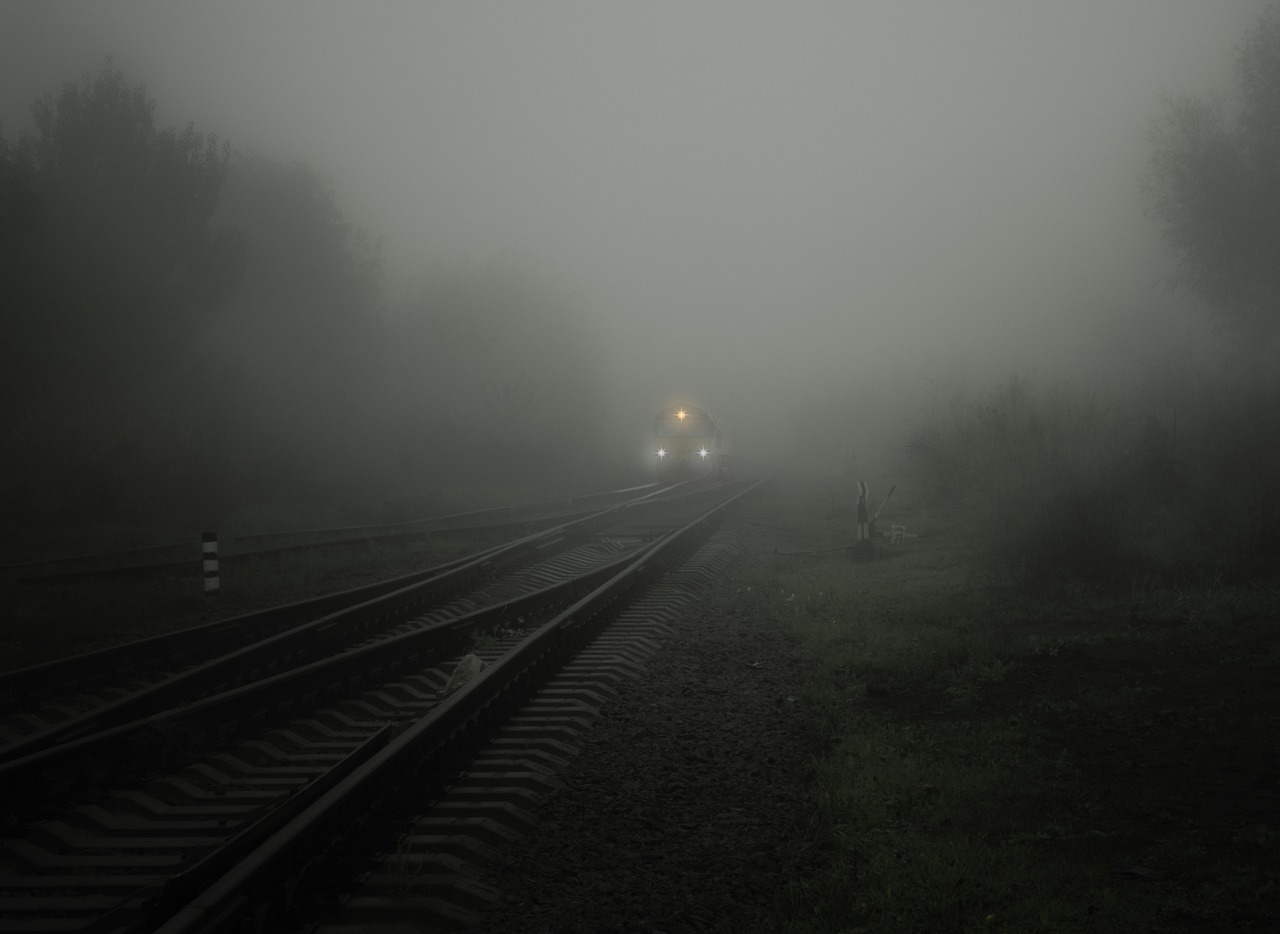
[118, 261]
[497, 365]
[303, 256]
[299, 332]
[1213, 185]
[109, 268]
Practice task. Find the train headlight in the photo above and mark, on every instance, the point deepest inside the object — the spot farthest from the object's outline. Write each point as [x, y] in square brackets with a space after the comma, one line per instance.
[662, 452]
[703, 452]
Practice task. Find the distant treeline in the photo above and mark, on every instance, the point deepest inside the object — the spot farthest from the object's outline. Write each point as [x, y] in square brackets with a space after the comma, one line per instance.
[1176, 487]
[190, 331]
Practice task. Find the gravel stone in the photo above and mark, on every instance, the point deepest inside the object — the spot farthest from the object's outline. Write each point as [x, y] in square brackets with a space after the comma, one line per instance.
[687, 807]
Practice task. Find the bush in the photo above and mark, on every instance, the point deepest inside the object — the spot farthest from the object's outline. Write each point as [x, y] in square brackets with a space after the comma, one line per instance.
[1060, 485]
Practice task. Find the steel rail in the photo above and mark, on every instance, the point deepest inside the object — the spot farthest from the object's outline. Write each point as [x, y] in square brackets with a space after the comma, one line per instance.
[166, 738]
[78, 762]
[173, 555]
[267, 878]
[91, 670]
[316, 634]
[291, 647]
[496, 511]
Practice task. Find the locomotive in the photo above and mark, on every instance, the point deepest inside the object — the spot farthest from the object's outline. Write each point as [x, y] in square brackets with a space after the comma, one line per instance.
[689, 442]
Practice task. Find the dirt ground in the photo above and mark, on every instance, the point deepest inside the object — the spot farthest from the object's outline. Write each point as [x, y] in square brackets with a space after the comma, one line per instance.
[1174, 731]
[1148, 740]
[1147, 730]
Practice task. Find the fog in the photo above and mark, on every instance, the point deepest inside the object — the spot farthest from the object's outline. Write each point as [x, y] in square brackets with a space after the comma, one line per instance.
[768, 209]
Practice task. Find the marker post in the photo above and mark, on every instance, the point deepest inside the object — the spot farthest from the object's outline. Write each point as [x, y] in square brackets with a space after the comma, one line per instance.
[209, 549]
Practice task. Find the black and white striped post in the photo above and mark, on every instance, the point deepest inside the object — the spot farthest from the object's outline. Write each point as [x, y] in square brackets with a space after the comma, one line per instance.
[210, 551]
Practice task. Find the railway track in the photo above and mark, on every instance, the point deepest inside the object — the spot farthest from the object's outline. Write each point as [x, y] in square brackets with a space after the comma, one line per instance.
[177, 556]
[209, 794]
[57, 701]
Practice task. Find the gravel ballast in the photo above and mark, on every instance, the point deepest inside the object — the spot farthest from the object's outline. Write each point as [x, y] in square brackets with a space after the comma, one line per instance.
[688, 806]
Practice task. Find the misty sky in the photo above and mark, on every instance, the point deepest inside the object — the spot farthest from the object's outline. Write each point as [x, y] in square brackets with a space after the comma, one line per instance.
[749, 198]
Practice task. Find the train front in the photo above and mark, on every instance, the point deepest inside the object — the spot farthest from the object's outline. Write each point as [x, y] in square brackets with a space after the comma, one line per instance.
[686, 440]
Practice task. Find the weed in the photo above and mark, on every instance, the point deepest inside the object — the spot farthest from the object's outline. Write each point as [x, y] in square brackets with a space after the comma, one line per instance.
[1024, 745]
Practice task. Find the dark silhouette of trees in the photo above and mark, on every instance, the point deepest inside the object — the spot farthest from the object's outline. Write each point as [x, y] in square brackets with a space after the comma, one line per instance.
[299, 333]
[302, 249]
[192, 332]
[497, 374]
[1214, 187]
[109, 266]
[118, 244]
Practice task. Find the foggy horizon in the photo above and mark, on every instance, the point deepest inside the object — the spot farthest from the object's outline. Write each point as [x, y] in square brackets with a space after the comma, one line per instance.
[755, 207]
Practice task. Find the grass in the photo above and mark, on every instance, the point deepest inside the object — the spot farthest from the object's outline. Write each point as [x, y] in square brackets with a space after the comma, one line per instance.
[1175, 485]
[1062, 758]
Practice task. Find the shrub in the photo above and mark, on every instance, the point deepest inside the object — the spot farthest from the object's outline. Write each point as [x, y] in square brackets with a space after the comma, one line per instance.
[1058, 484]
